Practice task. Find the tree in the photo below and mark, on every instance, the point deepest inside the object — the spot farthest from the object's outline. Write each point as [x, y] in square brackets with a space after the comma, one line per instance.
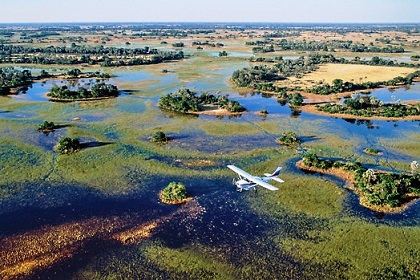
[174, 193]
[159, 137]
[46, 126]
[68, 145]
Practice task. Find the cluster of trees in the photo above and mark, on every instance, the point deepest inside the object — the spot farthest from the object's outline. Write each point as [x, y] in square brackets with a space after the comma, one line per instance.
[304, 45]
[167, 32]
[68, 145]
[78, 54]
[184, 101]
[174, 193]
[178, 45]
[46, 127]
[262, 77]
[77, 73]
[13, 78]
[379, 188]
[159, 137]
[261, 74]
[207, 43]
[98, 90]
[369, 106]
[289, 139]
[223, 53]
[266, 49]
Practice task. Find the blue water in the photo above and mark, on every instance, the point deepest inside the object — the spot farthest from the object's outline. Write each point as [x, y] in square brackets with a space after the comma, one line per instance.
[411, 92]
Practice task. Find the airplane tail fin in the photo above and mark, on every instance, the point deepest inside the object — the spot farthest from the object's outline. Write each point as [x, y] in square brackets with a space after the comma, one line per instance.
[275, 173]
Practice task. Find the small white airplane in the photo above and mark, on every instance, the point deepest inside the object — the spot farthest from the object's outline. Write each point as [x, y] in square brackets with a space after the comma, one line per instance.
[248, 182]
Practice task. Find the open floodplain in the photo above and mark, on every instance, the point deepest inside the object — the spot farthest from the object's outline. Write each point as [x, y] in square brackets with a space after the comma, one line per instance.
[95, 214]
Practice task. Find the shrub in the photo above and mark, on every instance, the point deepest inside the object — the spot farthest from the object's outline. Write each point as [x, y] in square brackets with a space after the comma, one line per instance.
[159, 137]
[46, 126]
[68, 145]
[174, 193]
[289, 139]
[310, 159]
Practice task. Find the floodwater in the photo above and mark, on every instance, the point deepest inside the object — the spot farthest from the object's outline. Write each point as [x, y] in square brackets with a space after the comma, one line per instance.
[228, 221]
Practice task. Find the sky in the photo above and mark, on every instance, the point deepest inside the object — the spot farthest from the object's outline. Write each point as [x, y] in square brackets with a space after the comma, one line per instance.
[311, 11]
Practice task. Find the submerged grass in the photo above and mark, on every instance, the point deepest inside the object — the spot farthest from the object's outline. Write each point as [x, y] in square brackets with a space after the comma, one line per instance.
[188, 263]
[368, 251]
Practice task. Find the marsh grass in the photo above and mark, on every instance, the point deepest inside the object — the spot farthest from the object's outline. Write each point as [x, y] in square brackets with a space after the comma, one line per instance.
[366, 249]
[21, 163]
[307, 195]
[189, 263]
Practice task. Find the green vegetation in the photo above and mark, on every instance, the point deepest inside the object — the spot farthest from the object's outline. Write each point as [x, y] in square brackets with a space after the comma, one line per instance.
[295, 100]
[289, 139]
[359, 250]
[376, 187]
[68, 145]
[178, 45]
[316, 45]
[263, 77]
[85, 54]
[99, 90]
[46, 126]
[12, 78]
[159, 137]
[372, 151]
[174, 193]
[369, 106]
[77, 73]
[415, 57]
[184, 101]
[223, 53]
[264, 112]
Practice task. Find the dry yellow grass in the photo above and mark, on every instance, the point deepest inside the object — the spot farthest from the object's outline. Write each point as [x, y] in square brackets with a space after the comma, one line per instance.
[349, 73]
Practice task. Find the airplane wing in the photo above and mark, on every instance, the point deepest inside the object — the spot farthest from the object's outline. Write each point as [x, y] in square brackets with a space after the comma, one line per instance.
[251, 178]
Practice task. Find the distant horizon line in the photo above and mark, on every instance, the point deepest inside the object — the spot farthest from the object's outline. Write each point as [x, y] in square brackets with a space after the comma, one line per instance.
[203, 22]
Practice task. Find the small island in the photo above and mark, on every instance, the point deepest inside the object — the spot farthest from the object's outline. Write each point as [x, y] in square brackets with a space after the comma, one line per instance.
[12, 80]
[289, 139]
[378, 190]
[96, 92]
[174, 193]
[159, 137]
[68, 145]
[372, 151]
[369, 106]
[47, 127]
[187, 102]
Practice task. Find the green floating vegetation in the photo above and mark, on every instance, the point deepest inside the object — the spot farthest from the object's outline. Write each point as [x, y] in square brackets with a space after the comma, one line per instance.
[174, 193]
[184, 101]
[370, 106]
